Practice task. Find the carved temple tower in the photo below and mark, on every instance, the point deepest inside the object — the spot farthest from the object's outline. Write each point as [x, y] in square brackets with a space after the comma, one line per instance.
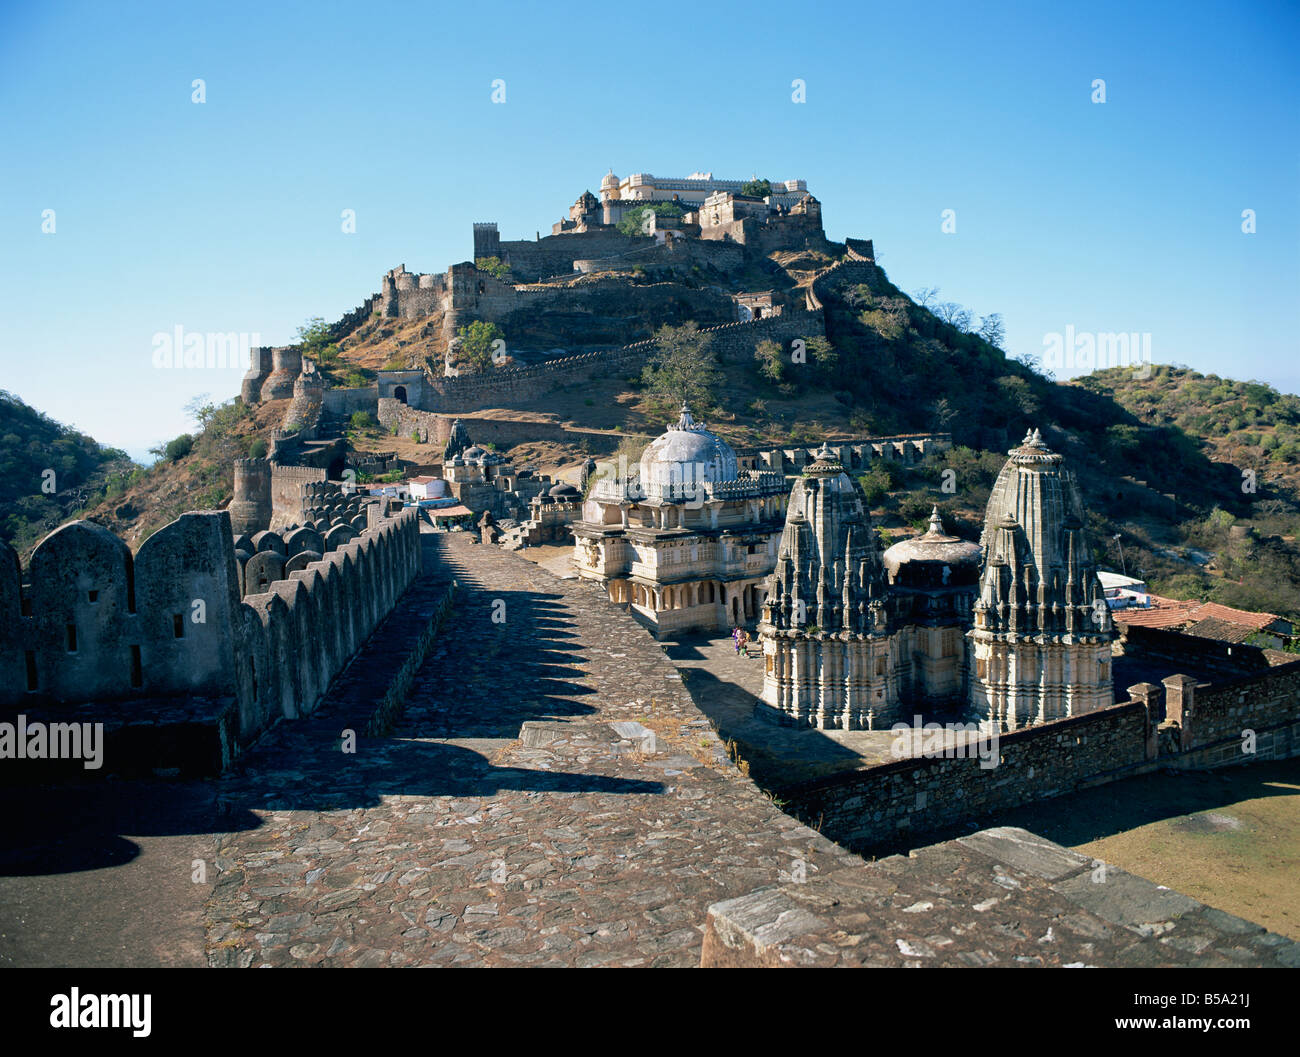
[827, 653]
[1041, 642]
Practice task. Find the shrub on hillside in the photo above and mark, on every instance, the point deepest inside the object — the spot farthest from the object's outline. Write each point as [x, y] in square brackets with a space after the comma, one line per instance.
[174, 449]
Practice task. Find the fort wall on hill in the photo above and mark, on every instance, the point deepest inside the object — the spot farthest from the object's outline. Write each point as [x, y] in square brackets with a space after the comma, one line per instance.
[555, 254]
[733, 342]
[341, 402]
[171, 628]
[600, 310]
[434, 428]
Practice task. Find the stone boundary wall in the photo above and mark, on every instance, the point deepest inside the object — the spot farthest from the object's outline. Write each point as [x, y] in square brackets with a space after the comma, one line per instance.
[679, 253]
[351, 320]
[303, 631]
[435, 429]
[268, 556]
[1213, 720]
[852, 270]
[871, 807]
[732, 341]
[555, 254]
[340, 403]
[591, 311]
[1001, 897]
[287, 491]
[94, 624]
[1233, 659]
[1205, 727]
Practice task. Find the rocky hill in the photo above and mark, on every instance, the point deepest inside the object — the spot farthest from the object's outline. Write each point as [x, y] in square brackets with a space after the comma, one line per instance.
[1160, 459]
[1246, 424]
[49, 472]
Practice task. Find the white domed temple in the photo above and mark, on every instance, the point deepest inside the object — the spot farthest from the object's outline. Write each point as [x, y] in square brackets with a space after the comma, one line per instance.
[686, 539]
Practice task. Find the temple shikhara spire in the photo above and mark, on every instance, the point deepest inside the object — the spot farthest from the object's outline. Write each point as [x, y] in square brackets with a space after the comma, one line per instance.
[1010, 632]
[827, 657]
[1041, 640]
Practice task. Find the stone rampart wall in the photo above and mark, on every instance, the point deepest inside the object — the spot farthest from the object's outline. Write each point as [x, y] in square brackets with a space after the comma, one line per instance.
[1238, 721]
[90, 622]
[732, 341]
[870, 807]
[435, 429]
[340, 403]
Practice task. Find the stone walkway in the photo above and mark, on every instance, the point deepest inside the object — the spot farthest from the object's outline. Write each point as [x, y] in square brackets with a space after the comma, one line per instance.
[551, 795]
[453, 841]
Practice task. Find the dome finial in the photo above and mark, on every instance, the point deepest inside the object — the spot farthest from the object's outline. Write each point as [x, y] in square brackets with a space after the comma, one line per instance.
[685, 420]
[936, 522]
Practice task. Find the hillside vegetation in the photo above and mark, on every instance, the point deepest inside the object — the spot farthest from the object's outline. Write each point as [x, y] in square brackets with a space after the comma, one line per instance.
[1159, 459]
[1249, 424]
[49, 472]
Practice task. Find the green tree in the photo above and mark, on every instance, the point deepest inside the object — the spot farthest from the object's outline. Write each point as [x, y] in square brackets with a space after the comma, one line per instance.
[494, 266]
[823, 355]
[476, 341]
[314, 334]
[683, 367]
[756, 188]
[634, 222]
[771, 361]
[316, 339]
[875, 486]
[174, 449]
[361, 420]
[992, 329]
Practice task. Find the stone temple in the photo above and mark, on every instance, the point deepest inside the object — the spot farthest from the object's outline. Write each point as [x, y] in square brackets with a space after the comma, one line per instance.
[1042, 634]
[1012, 632]
[827, 655]
[933, 583]
[687, 539]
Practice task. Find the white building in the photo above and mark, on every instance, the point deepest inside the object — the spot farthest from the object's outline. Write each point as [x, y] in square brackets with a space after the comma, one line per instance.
[686, 539]
[690, 190]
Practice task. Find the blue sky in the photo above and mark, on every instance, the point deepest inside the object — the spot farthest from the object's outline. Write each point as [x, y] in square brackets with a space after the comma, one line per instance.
[225, 216]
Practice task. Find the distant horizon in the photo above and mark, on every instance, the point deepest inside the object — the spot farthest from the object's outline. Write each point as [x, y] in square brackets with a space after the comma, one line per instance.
[1096, 172]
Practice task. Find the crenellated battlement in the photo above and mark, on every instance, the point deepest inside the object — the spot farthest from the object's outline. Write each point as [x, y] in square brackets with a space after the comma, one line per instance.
[88, 623]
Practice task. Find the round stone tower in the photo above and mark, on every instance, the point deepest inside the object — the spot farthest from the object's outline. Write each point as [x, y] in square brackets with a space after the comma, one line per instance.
[286, 364]
[304, 409]
[250, 508]
[259, 366]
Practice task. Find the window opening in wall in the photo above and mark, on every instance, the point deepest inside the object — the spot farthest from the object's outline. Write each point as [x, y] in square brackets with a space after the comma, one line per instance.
[137, 678]
[72, 638]
[178, 626]
[92, 596]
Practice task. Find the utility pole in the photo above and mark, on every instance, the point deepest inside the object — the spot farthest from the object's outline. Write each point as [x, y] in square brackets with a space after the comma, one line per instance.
[1120, 542]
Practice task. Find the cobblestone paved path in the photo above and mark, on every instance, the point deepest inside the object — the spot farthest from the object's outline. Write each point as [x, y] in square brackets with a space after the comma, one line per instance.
[453, 841]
